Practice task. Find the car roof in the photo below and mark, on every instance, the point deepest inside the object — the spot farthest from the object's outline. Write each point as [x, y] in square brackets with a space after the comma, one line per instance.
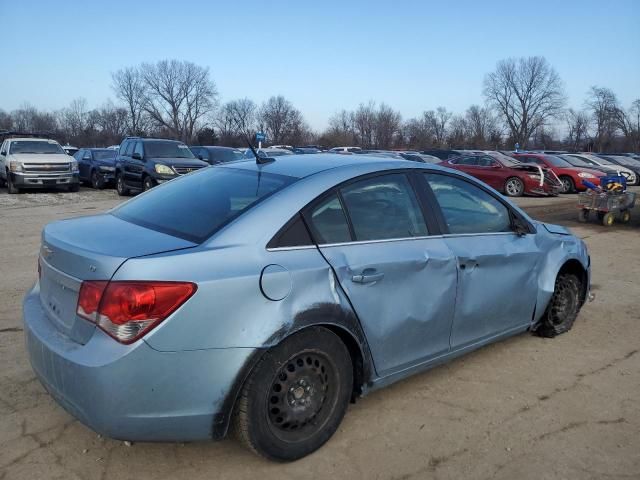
[304, 165]
[31, 139]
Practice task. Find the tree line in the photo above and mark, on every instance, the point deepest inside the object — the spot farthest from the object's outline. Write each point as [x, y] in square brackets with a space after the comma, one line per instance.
[525, 103]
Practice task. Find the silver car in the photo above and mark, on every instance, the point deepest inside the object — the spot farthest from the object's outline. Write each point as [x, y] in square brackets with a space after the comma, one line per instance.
[265, 296]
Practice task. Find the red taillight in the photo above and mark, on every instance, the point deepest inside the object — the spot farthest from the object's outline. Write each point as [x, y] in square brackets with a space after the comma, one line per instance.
[89, 299]
[128, 310]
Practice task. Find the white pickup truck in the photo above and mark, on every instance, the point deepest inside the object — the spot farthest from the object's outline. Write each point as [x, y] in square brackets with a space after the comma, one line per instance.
[36, 163]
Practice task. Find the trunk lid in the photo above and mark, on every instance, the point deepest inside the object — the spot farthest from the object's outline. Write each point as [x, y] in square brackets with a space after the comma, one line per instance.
[89, 248]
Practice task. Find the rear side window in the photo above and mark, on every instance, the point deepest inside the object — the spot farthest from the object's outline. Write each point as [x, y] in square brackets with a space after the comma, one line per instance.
[467, 208]
[293, 234]
[329, 222]
[195, 206]
[384, 207]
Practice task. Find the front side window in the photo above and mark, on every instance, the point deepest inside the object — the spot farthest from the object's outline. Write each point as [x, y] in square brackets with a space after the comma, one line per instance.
[195, 206]
[329, 222]
[138, 149]
[384, 207]
[467, 208]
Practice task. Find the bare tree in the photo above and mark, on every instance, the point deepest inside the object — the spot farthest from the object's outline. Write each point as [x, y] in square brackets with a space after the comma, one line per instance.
[604, 107]
[527, 93]
[387, 126]
[341, 130]
[629, 124]
[577, 128]
[74, 119]
[129, 87]
[234, 119]
[481, 128]
[179, 94]
[364, 122]
[281, 121]
[441, 120]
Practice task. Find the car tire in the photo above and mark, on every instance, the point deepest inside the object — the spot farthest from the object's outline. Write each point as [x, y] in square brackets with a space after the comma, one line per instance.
[514, 187]
[148, 183]
[121, 188]
[296, 396]
[568, 186]
[11, 188]
[74, 187]
[563, 307]
[97, 181]
[625, 216]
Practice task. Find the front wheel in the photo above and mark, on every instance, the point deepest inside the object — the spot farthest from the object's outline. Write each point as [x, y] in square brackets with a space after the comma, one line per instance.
[11, 188]
[296, 396]
[74, 187]
[608, 219]
[148, 183]
[514, 187]
[563, 307]
[120, 186]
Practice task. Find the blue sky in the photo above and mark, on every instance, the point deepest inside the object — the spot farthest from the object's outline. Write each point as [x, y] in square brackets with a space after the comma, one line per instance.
[323, 55]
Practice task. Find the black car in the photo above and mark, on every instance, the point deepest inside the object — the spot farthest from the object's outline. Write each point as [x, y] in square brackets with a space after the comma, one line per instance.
[143, 163]
[215, 155]
[97, 166]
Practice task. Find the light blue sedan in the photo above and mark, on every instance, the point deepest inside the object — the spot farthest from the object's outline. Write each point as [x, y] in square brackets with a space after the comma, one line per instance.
[266, 296]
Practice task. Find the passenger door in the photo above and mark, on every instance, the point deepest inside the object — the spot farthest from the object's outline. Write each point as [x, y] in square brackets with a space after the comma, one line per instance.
[400, 280]
[84, 163]
[3, 158]
[497, 280]
[135, 166]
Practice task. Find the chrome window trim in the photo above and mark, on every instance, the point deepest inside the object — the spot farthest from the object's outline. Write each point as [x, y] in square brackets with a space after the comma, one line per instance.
[388, 240]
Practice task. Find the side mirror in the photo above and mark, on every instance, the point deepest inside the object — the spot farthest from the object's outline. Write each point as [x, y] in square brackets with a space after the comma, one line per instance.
[520, 227]
[3, 153]
[136, 156]
[200, 157]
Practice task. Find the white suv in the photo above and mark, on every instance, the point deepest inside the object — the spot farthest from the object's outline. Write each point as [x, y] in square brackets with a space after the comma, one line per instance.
[36, 163]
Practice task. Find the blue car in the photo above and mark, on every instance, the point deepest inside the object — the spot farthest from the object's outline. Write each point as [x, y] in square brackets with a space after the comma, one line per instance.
[266, 295]
[97, 166]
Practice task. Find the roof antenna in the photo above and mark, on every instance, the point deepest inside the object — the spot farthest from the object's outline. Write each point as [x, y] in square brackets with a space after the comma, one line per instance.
[259, 160]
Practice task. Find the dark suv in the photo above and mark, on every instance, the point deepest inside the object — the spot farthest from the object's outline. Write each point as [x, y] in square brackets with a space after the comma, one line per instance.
[143, 163]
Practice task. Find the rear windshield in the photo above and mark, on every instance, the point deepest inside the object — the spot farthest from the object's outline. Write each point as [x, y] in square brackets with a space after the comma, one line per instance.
[104, 154]
[195, 206]
[160, 149]
[30, 146]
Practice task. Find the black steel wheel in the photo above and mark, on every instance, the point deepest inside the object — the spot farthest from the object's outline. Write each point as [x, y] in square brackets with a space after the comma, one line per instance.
[97, 181]
[296, 396]
[563, 307]
[148, 183]
[121, 188]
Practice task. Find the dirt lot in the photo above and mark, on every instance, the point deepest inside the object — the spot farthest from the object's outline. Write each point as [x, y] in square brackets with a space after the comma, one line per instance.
[524, 408]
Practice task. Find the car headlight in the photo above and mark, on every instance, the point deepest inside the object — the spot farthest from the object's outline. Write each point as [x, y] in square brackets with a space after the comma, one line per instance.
[74, 166]
[16, 166]
[163, 169]
[106, 168]
[586, 175]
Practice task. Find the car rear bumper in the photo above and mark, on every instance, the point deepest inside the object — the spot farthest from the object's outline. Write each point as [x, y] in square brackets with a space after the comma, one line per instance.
[39, 180]
[133, 392]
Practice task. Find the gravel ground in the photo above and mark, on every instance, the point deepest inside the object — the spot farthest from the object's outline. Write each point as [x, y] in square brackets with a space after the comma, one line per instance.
[524, 408]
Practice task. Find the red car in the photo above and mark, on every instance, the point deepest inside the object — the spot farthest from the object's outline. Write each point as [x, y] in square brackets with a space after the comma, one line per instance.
[505, 174]
[570, 176]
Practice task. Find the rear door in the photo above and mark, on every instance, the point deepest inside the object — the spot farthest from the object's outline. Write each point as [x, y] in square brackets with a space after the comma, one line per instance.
[84, 163]
[497, 280]
[400, 279]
